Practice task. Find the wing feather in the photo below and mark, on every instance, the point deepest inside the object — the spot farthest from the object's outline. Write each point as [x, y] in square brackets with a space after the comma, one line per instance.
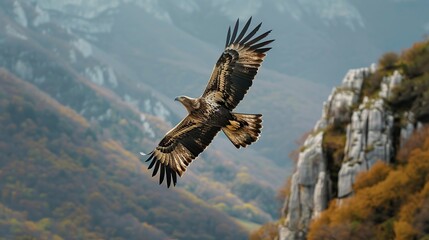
[262, 50]
[178, 148]
[238, 65]
[251, 34]
[258, 38]
[155, 170]
[151, 163]
[168, 175]
[174, 177]
[228, 35]
[234, 33]
[262, 44]
[161, 175]
[244, 30]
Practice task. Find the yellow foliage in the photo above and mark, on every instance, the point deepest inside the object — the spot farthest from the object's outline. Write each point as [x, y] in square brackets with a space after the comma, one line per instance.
[415, 141]
[408, 211]
[31, 226]
[44, 223]
[404, 231]
[417, 49]
[376, 174]
[383, 196]
[388, 61]
[123, 122]
[56, 237]
[268, 231]
[243, 176]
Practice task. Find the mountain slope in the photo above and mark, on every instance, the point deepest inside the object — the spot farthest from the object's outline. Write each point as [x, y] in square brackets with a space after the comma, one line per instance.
[61, 179]
[111, 97]
[168, 43]
[158, 52]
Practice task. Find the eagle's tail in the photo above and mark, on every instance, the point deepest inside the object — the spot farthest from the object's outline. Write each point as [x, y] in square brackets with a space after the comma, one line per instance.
[244, 129]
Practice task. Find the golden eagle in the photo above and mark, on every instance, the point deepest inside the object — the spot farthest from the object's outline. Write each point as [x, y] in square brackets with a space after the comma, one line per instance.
[207, 115]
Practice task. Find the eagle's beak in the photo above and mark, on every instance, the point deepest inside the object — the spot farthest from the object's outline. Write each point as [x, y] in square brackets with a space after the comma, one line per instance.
[176, 99]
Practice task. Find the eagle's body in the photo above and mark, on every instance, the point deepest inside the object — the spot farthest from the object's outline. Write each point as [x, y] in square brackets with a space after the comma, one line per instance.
[213, 111]
[209, 110]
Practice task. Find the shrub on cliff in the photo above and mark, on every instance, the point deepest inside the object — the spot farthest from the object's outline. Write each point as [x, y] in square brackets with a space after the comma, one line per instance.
[389, 202]
[389, 61]
[416, 59]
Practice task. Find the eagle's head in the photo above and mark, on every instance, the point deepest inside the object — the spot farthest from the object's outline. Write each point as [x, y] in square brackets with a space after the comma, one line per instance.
[189, 103]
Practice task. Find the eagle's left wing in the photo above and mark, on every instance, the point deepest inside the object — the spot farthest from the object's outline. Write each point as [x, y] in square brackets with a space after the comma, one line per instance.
[237, 66]
[179, 147]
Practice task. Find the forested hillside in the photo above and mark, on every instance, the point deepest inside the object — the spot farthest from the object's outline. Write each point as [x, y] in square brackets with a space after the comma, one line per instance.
[59, 179]
[75, 60]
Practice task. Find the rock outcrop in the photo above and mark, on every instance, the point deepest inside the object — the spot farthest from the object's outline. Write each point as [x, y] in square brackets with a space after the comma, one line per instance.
[369, 129]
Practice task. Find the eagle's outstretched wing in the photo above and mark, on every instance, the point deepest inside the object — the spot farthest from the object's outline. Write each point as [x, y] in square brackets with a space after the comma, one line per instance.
[179, 147]
[237, 66]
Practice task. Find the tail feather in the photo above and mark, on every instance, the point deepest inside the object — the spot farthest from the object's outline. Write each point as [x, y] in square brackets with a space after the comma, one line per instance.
[244, 129]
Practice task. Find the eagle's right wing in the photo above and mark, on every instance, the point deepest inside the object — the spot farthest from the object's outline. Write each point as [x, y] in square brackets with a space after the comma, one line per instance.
[237, 66]
[179, 147]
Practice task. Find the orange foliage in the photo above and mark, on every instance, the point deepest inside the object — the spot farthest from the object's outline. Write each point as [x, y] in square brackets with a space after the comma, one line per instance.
[388, 61]
[415, 51]
[416, 59]
[387, 203]
[404, 230]
[416, 140]
[376, 174]
[268, 231]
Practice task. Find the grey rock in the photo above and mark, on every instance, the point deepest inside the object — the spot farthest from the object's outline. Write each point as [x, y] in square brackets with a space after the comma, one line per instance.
[347, 176]
[311, 185]
[389, 83]
[293, 214]
[321, 194]
[408, 127]
[368, 139]
[354, 79]
[310, 160]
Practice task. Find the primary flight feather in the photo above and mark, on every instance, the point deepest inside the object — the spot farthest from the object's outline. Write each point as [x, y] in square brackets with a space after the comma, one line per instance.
[232, 76]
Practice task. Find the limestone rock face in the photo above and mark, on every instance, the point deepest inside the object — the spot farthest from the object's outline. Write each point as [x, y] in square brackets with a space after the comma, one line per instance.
[388, 83]
[370, 137]
[311, 184]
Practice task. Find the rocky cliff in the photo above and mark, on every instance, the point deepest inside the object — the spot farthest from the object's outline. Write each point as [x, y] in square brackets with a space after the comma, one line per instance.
[360, 124]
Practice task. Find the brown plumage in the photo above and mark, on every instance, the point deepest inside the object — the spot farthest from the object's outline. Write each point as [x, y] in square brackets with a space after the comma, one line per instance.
[232, 76]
